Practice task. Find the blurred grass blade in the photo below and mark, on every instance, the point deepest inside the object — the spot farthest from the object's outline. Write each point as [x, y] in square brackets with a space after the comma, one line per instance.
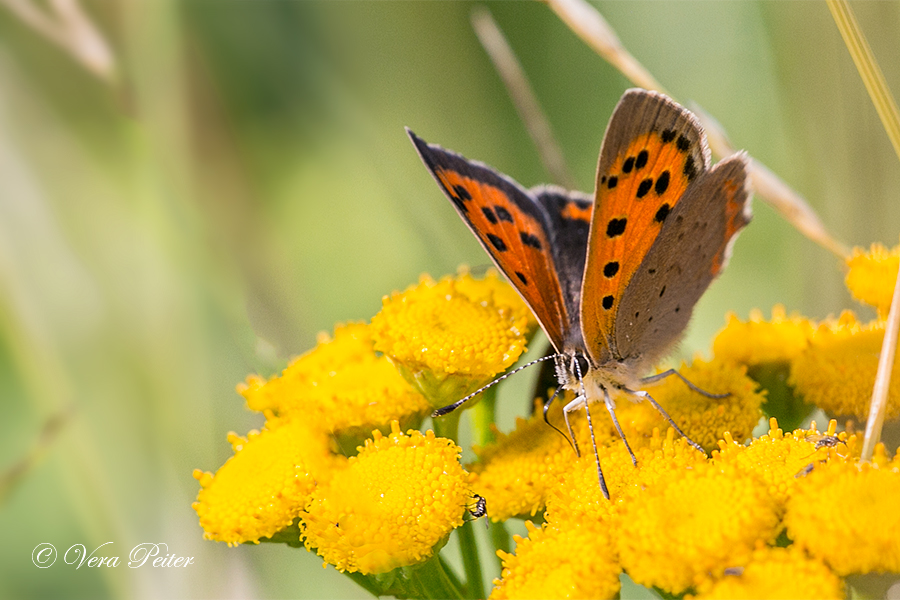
[69, 27]
[886, 106]
[522, 95]
[13, 474]
[868, 69]
[878, 406]
[590, 26]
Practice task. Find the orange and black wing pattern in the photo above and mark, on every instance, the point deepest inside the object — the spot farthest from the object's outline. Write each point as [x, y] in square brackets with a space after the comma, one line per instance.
[512, 226]
[652, 152]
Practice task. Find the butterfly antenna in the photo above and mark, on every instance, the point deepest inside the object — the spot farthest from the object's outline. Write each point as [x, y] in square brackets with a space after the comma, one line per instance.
[587, 411]
[547, 421]
[451, 407]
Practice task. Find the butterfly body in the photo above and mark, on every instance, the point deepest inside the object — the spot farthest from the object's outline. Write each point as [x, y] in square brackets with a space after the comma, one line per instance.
[612, 278]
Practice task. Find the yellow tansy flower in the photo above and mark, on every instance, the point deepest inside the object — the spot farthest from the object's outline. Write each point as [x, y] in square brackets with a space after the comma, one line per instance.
[780, 460]
[445, 342]
[837, 371]
[262, 488]
[397, 500]
[705, 419]
[516, 472]
[847, 515]
[578, 497]
[341, 385]
[775, 573]
[872, 276]
[691, 522]
[758, 341]
[493, 289]
[576, 561]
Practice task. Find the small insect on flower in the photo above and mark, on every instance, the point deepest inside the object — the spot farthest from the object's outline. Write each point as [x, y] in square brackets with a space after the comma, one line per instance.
[822, 440]
[480, 508]
[805, 471]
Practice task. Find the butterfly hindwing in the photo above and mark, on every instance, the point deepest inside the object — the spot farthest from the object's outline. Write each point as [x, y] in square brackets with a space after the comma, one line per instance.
[689, 253]
[512, 226]
[569, 216]
[652, 153]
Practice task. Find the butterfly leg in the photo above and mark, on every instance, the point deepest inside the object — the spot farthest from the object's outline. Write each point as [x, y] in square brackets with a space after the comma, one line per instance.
[611, 407]
[655, 404]
[576, 403]
[670, 372]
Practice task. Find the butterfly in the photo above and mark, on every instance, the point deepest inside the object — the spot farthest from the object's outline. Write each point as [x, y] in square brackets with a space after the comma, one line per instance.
[612, 278]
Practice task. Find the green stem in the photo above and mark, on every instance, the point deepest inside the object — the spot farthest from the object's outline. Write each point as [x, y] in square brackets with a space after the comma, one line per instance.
[501, 539]
[471, 561]
[483, 416]
[447, 426]
[432, 580]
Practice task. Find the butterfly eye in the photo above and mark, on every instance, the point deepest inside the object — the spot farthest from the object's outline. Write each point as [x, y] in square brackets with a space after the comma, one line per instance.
[582, 364]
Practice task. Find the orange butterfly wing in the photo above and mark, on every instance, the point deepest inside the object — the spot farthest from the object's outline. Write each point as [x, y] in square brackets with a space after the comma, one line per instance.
[653, 152]
[512, 226]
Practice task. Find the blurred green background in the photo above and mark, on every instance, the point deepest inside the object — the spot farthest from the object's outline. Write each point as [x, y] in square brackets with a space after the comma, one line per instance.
[246, 182]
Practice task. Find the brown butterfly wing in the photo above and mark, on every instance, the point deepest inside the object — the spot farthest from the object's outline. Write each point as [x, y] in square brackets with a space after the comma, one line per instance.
[691, 250]
[512, 226]
[652, 152]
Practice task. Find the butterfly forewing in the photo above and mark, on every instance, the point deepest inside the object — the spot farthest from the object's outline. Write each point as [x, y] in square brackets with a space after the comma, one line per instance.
[689, 253]
[511, 225]
[653, 151]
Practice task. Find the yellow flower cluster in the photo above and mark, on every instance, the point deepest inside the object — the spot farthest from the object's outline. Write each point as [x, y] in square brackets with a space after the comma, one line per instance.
[396, 502]
[782, 514]
[451, 336]
[831, 364]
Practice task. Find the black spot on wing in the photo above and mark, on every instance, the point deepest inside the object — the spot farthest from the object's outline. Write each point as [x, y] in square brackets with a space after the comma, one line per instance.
[667, 136]
[530, 240]
[628, 165]
[522, 278]
[662, 183]
[489, 215]
[682, 143]
[641, 160]
[612, 182]
[690, 168]
[608, 302]
[503, 214]
[644, 187]
[497, 242]
[610, 269]
[616, 227]
[662, 213]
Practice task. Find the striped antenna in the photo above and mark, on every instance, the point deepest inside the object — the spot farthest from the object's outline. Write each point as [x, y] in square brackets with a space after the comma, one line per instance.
[451, 407]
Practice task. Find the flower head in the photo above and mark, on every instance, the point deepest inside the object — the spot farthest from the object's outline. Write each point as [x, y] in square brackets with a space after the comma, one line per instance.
[262, 488]
[846, 514]
[693, 521]
[872, 276]
[758, 341]
[516, 472]
[397, 500]
[780, 460]
[776, 573]
[705, 419]
[448, 337]
[837, 371]
[576, 561]
[341, 385]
